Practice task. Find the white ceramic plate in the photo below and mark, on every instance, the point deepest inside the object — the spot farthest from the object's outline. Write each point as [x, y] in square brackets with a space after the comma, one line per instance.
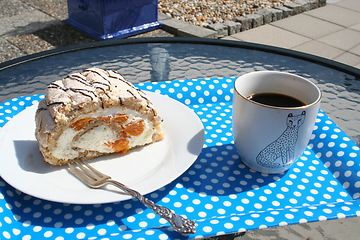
[145, 169]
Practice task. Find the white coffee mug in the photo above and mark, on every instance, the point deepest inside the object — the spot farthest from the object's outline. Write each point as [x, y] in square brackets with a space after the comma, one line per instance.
[271, 138]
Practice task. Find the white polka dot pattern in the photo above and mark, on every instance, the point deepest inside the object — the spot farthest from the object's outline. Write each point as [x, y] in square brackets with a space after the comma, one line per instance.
[218, 190]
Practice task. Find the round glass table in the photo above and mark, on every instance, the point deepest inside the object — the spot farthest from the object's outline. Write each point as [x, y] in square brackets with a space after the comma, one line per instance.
[217, 191]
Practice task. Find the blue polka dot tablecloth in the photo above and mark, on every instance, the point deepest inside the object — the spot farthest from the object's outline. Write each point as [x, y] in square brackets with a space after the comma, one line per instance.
[218, 190]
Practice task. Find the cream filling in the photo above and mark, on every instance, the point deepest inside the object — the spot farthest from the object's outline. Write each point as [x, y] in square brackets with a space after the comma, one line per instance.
[95, 139]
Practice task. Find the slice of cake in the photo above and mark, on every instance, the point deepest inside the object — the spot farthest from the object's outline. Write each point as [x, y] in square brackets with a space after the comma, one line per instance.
[94, 113]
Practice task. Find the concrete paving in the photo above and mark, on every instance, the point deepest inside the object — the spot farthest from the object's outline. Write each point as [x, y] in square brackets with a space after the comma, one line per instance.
[332, 32]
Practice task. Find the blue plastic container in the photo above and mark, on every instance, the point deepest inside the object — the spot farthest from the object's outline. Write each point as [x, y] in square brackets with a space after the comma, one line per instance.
[111, 19]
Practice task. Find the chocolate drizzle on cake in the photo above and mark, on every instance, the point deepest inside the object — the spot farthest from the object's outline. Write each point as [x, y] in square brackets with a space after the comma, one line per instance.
[82, 91]
[93, 83]
[54, 85]
[82, 79]
[131, 93]
[152, 109]
[55, 103]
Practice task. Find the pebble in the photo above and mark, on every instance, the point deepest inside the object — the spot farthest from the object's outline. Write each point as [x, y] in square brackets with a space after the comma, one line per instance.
[207, 12]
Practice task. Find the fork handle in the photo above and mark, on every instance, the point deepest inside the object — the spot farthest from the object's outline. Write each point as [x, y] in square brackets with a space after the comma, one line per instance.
[179, 223]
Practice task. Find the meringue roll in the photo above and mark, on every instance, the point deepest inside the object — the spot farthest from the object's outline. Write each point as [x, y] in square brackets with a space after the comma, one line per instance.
[94, 113]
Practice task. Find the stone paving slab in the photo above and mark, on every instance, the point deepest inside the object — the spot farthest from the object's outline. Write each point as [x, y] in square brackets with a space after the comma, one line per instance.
[307, 26]
[335, 14]
[24, 23]
[183, 29]
[355, 50]
[349, 59]
[270, 35]
[319, 49]
[54, 8]
[345, 39]
[355, 27]
[194, 31]
[13, 7]
[9, 51]
[350, 4]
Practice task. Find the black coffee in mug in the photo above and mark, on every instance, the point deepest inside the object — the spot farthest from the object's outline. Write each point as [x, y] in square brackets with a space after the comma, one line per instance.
[276, 100]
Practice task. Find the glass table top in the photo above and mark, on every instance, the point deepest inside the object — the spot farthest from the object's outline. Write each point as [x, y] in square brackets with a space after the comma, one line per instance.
[163, 59]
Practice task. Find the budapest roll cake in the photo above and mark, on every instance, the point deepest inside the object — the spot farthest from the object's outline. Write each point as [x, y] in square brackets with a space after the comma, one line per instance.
[94, 113]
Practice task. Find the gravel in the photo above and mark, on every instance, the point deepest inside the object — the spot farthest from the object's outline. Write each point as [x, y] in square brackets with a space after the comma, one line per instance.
[207, 12]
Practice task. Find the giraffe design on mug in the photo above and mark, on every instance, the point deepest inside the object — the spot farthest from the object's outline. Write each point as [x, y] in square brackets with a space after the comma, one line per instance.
[284, 146]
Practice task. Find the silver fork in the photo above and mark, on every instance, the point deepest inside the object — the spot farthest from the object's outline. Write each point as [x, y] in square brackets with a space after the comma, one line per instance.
[96, 179]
